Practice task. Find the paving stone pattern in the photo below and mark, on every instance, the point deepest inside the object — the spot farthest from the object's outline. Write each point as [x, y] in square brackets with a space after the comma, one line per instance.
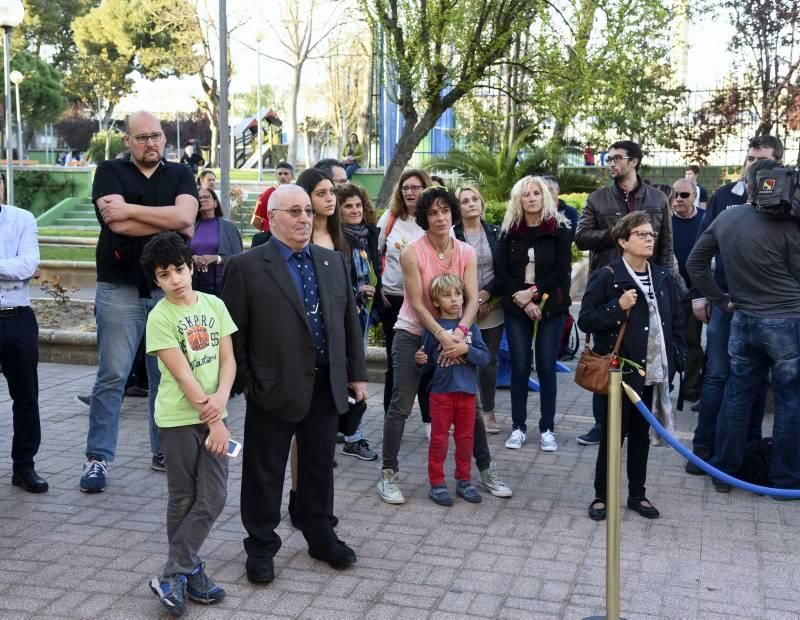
[66, 554]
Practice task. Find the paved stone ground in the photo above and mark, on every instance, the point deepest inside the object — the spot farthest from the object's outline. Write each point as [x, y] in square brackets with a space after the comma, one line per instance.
[70, 555]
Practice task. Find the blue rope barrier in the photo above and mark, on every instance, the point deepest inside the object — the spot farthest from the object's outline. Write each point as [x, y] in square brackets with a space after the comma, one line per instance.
[692, 458]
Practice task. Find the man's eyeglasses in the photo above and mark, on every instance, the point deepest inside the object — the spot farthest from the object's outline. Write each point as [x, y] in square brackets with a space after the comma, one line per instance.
[683, 195]
[645, 235]
[411, 188]
[296, 212]
[154, 137]
[615, 159]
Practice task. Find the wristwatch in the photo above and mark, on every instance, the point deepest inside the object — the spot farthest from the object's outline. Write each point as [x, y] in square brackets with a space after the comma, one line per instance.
[219, 259]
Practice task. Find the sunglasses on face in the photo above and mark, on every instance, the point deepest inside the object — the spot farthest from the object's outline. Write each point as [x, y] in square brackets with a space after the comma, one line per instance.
[683, 195]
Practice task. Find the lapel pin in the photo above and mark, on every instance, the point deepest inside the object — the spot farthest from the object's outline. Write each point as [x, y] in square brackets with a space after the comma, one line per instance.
[325, 263]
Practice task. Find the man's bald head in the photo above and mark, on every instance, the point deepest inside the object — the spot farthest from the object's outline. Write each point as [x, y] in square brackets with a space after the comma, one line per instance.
[290, 215]
[145, 140]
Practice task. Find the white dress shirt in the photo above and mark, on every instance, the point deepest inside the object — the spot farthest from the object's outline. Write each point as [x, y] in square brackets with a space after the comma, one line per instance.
[19, 255]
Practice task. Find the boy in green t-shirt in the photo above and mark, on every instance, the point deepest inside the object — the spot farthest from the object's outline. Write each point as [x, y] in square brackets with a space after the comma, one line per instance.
[190, 332]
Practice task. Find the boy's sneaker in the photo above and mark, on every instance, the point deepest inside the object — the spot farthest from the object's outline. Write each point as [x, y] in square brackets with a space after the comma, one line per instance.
[548, 442]
[465, 489]
[440, 495]
[388, 487]
[171, 591]
[592, 438]
[516, 440]
[426, 426]
[490, 481]
[359, 449]
[157, 463]
[93, 478]
[201, 589]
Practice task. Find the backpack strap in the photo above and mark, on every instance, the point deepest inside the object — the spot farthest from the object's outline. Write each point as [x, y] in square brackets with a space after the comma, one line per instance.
[389, 225]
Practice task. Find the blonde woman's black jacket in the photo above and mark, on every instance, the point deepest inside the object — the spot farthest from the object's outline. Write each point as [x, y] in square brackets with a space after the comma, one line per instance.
[552, 246]
[602, 316]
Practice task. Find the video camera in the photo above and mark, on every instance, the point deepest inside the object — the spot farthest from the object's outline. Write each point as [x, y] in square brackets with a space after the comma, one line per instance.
[777, 192]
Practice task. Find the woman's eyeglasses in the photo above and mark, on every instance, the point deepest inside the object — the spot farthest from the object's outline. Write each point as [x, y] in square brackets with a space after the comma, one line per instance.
[645, 235]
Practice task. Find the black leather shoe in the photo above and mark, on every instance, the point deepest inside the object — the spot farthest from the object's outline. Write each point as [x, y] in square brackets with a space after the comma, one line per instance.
[595, 513]
[643, 506]
[260, 570]
[338, 555]
[30, 481]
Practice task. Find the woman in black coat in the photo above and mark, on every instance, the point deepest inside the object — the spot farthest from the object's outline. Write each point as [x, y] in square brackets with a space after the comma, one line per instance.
[652, 347]
[534, 259]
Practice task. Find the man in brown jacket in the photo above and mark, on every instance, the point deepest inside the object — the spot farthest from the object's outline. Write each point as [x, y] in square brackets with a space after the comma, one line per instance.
[604, 208]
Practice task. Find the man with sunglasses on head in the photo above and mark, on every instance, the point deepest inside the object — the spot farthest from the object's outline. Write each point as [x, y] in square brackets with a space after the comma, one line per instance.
[135, 197]
[604, 208]
[686, 219]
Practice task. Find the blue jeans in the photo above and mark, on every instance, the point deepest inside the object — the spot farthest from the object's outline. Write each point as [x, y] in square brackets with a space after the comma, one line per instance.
[350, 169]
[756, 346]
[519, 332]
[715, 376]
[121, 318]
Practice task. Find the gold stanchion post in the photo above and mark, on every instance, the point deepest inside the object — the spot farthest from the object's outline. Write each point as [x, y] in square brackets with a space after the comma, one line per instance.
[613, 510]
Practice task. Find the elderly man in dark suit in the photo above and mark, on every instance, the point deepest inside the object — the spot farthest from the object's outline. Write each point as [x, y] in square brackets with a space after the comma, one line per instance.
[298, 351]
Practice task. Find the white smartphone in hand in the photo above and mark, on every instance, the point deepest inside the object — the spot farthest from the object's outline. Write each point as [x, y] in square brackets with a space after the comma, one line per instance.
[234, 448]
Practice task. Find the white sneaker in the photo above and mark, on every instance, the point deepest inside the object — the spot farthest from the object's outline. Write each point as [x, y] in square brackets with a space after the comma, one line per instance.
[516, 440]
[388, 487]
[490, 481]
[427, 428]
[548, 442]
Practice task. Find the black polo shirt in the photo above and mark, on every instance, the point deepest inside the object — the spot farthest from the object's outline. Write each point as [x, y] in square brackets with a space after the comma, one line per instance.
[117, 255]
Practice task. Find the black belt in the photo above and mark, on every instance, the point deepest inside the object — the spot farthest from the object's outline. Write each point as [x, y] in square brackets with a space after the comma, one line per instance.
[7, 313]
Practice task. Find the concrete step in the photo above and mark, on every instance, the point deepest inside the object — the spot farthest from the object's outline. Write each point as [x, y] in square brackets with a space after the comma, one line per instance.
[79, 215]
[87, 223]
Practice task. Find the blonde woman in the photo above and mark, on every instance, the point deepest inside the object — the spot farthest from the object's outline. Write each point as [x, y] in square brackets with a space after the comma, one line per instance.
[482, 236]
[533, 266]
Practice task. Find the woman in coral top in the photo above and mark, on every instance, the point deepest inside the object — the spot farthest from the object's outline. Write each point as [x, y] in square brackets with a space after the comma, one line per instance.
[434, 253]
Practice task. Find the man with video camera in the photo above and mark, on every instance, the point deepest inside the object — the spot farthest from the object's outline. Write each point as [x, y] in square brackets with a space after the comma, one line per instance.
[759, 243]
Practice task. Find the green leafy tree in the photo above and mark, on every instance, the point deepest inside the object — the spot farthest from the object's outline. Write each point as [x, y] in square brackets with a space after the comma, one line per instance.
[41, 95]
[437, 52]
[120, 38]
[46, 29]
[246, 103]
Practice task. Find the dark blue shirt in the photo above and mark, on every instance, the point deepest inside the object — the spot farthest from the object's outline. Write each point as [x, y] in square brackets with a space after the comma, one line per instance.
[684, 234]
[461, 377]
[571, 213]
[286, 254]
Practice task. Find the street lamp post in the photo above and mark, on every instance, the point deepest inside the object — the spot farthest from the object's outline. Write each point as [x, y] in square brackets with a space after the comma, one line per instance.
[11, 14]
[259, 39]
[16, 78]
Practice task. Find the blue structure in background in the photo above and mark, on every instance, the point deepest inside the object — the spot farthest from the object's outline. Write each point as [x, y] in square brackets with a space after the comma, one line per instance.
[437, 142]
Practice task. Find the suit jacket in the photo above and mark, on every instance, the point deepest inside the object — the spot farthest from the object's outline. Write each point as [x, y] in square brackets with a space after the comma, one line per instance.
[274, 347]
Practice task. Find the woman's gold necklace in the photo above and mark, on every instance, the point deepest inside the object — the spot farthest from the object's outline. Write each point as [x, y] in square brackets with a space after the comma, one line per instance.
[443, 250]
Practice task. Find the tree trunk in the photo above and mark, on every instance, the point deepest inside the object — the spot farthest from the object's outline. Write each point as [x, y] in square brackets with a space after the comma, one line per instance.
[411, 136]
[291, 126]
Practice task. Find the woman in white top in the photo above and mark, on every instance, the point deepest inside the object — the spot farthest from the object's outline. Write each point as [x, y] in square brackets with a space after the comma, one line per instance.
[398, 228]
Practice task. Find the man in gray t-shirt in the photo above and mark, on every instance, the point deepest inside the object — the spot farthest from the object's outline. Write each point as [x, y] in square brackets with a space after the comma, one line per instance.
[761, 254]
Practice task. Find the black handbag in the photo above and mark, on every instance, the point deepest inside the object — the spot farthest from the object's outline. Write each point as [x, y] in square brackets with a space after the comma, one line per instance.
[350, 421]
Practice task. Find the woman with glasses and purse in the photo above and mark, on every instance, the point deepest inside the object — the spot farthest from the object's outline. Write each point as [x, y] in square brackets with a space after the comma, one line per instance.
[215, 240]
[633, 292]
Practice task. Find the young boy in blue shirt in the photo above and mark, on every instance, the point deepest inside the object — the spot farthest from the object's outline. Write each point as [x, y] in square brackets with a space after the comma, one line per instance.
[453, 389]
[190, 332]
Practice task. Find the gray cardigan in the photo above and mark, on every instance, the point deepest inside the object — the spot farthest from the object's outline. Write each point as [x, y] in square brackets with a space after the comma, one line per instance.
[230, 241]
